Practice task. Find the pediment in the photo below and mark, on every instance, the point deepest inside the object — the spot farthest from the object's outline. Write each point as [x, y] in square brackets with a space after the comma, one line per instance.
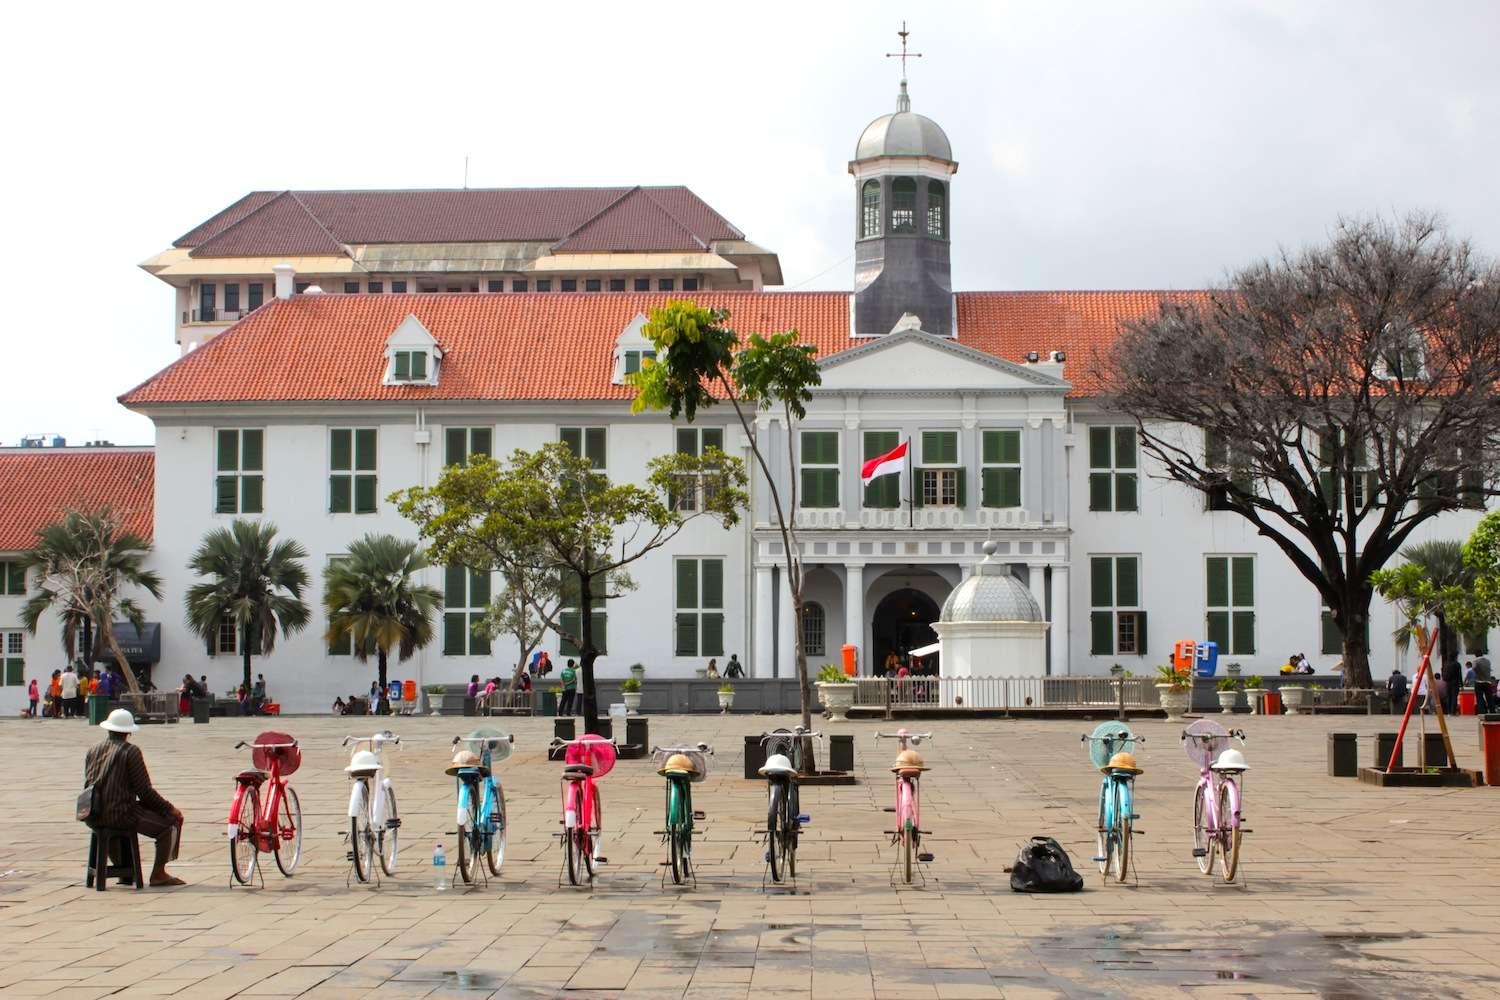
[411, 333]
[914, 360]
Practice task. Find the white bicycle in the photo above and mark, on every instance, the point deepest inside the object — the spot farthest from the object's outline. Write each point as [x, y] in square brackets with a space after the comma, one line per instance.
[373, 823]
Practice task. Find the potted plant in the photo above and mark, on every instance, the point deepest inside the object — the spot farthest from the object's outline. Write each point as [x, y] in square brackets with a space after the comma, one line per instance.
[434, 694]
[726, 696]
[1174, 689]
[1232, 669]
[1229, 693]
[638, 671]
[836, 691]
[1294, 697]
[630, 692]
[1117, 670]
[549, 699]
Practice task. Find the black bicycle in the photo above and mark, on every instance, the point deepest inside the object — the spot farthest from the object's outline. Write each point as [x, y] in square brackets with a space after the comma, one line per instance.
[786, 751]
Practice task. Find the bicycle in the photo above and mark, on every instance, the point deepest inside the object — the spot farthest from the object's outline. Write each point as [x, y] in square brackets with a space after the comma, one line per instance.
[481, 801]
[784, 818]
[1112, 748]
[276, 828]
[585, 761]
[682, 767]
[1217, 822]
[908, 808]
[373, 822]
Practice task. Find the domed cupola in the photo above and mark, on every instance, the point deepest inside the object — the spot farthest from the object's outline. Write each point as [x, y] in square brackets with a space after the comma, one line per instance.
[902, 169]
[991, 626]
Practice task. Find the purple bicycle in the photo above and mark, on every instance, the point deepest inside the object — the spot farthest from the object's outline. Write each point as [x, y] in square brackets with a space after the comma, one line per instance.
[1217, 820]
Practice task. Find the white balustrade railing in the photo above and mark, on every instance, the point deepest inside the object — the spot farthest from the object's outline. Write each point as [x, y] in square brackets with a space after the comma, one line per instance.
[1005, 692]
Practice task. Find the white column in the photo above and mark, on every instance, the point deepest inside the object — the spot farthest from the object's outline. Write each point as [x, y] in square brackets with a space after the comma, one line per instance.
[1036, 580]
[1060, 622]
[765, 625]
[854, 610]
[786, 624]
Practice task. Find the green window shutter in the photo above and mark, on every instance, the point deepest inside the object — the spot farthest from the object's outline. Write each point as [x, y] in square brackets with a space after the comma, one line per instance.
[820, 487]
[340, 450]
[1125, 492]
[479, 589]
[1102, 582]
[917, 475]
[687, 441]
[1101, 492]
[600, 620]
[632, 362]
[365, 501]
[419, 366]
[1217, 568]
[713, 437]
[962, 496]
[226, 495]
[229, 451]
[479, 643]
[713, 635]
[1140, 633]
[686, 643]
[252, 450]
[939, 447]
[1218, 629]
[252, 489]
[989, 447]
[1333, 639]
[339, 494]
[403, 366]
[570, 624]
[1010, 487]
[15, 575]
[713, 583]
[1215, 454]
[989, 487]
[820, 447]
[1101, 633]
[255, 649]
[454, 593]
[1244, 633]
[1244, 581]
[1127, 582]
[1010, 447]
[1099, 449]
[687, 583]
[1124, 447]
[455, 446]
[343, 646]
[455, 637]
[877, 443]
[573, 438]
[593, 446]
[15, 671]
[364, 449]
[481, 441]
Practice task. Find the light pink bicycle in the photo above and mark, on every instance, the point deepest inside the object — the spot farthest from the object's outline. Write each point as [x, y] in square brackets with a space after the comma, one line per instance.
[584, 761]
[907, 836]
[1217, 822]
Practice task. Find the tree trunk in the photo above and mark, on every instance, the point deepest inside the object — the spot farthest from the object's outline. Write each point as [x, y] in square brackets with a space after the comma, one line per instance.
[801, 657]
[86, 648]
[245, 655]
[381, 667]
[589, 653]
[1352, 622]
[124, 665]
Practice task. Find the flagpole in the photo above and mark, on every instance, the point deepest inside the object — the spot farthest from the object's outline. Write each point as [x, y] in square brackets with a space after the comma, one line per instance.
[911, 487]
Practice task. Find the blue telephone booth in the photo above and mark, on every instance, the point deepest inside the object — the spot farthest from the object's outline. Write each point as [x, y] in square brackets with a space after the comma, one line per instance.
[1207, 656]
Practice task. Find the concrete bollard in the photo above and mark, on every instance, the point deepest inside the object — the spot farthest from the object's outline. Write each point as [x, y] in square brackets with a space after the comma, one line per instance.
[1343, 755]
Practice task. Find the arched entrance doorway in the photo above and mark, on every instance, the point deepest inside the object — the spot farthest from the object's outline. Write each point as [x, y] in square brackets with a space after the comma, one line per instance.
[903, 621]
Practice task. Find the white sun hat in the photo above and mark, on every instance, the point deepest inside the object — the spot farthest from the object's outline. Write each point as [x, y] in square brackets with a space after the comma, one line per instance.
[363, 761]
[778, 763]
[1231, 760]
[120, 721]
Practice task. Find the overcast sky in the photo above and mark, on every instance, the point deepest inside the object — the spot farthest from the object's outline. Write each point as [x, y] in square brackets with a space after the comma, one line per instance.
[1101, 145]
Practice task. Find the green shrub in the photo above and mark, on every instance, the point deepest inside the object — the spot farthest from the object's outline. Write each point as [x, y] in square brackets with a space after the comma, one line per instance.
[630, 685]
[830, 674]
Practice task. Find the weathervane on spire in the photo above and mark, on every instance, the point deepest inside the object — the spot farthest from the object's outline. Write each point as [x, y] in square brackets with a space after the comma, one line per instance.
[903, 55]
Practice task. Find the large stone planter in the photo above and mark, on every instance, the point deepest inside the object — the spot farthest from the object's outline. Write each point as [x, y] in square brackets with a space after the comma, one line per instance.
[726, 700]
[1294, 697]
[632, 700]
[1175, 702]
[1227, 700]
[837, 700]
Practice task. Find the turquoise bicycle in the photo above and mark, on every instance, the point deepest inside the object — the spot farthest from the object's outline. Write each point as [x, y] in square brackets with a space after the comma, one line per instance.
[1112, 750]
[481, 801]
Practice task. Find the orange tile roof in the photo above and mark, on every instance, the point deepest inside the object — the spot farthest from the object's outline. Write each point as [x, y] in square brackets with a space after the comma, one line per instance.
[38, 484]
[541, 346]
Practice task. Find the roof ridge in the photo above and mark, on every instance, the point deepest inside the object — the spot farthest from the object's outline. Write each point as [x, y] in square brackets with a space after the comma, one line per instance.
[599, 214]
[673, 216]
[326, 231]
[178, 242]
[738, 233]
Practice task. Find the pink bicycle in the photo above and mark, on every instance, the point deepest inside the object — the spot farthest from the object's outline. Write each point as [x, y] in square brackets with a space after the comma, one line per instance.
[586, 760]
[1217, 822]
[907, 836]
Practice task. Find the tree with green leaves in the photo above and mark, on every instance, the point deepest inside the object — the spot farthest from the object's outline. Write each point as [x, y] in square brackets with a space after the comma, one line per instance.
[529, 605]
[83, 564]
[551, 509]
[1434, 581]
[373, 600]
[701, 361]
[255, 583]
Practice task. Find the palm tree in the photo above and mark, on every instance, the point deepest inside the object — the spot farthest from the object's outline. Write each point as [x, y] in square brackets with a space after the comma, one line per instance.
[371, 597]
[256, 582]
[82, 564]
[1441, 563]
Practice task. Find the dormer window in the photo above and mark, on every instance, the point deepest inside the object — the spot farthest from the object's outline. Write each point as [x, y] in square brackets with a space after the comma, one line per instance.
[409, 366]
[632, 350]
[634, 358]
[412, 355]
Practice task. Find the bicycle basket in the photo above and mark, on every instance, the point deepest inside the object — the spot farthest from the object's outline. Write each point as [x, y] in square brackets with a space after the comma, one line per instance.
[698, 757]
[1105, 741]
[500, 745]
[290, 757]
[600, 753]
[1203, 752]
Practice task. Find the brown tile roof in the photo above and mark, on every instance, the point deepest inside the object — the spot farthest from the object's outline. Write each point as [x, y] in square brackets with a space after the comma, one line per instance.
[38, 484]
[266, 223]
[541, 346]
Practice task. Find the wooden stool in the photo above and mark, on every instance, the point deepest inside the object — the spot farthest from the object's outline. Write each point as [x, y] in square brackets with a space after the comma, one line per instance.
[100, 870]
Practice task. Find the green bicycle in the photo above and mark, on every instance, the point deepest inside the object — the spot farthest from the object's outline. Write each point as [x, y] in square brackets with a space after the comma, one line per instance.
[681, 766]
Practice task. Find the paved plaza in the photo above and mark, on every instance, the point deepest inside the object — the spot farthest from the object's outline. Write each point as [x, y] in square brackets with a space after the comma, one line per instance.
[1348, 891]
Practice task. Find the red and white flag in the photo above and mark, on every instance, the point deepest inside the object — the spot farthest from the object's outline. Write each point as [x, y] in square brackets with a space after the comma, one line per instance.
[883, 465]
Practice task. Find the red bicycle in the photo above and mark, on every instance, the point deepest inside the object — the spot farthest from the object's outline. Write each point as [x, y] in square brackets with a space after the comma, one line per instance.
[276, 826]
[585, 759]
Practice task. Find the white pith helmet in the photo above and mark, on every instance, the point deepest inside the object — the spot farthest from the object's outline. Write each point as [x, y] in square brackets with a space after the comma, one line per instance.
[364, 760]
[778, 763]
[1231, 760]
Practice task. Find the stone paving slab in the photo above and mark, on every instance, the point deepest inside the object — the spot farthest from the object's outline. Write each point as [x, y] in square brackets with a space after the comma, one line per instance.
[1346, 891]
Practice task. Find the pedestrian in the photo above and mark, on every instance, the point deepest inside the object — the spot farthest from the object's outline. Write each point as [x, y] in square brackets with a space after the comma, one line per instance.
[374, 695]
[733, 670]
[1397, 686]
[54, 695]
[203, 691]
[243, 696]
[569, 680]
[94, 683]
[1484, 687]
[69, 691]
[32, 694]
[713, 668]
[544, 664]
[127, 800]
[473, 689]
[1468, 673]
[185, 695]
[1452, 678]
[892, 664]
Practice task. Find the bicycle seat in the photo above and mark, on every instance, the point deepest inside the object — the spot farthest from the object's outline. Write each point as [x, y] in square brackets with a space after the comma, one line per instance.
[252, 776]
[577, 772]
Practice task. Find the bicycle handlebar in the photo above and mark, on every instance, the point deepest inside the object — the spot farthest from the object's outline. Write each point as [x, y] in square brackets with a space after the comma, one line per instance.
[378, 738]
[914, 737]
[508, 738]
[266, 746]
[797, 733]
[700, 748]
[557, 742]
[1122, 735]
[1238, 734]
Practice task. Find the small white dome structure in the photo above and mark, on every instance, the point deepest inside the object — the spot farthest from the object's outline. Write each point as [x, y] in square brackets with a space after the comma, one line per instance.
[903, 133]
[991, 626]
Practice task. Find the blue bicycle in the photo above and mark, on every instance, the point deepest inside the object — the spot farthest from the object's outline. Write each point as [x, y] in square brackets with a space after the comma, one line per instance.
[1112, 750]
[481, 800]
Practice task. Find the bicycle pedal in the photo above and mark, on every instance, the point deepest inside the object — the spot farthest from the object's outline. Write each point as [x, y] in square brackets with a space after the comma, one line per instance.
[699, 814]
[1138, 833]
[889, 809]
[1135, 816]
[805, 819]
[1200, 852]
[1098, 858]
[601, 861]
[349, 856]
[924, 858]
[393, 824]
[1246, 829]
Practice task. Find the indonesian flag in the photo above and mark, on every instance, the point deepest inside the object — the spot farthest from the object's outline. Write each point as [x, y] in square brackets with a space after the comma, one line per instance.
[883, 465]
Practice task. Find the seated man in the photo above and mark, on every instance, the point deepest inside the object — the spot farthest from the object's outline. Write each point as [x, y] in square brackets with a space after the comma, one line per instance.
[127, 800]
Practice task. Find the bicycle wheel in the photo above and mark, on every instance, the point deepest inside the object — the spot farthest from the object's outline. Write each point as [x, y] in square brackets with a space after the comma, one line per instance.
[288, 832]
[494, 854]
[1102, 845]
[789, 828]
[362, 846]
[387, 837]
[908, 848]
[595, 835]
[1229, 832]
[774, 843]
[1122, 837]
[674, 833]
[1203, 842]
[470, 840]
[242, 851]
[571, 844]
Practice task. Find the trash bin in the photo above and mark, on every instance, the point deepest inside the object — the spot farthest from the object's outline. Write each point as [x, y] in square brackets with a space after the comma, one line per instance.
[549, 703]
[1466, 701]
[202, 709]
[1491, 745]
[841, 752]
[1384, 744]
[98, 709]
[637, 737]
[1272, 703]
[755, 756]
[1343, 755]
[471, 706]
[851, 659]
[1435, 755]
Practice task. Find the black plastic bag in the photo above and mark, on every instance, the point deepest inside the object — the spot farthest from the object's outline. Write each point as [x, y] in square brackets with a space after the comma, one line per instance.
[1043, 866]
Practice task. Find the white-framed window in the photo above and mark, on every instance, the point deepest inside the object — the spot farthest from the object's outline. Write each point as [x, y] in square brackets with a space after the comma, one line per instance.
[694, 441]
[226, 640]
[1113, 468]
[1220, 455]
[1230, 600]
[586, 442]
[1000, 469]
[239, 470]
[410, 364]
[941, 477]
[820, 469]
[814, 629]
[466, 597]
[12, 658]
[12, 578]
[1117, 624]
[699, 620]
[351, 471]
[462, 443]
[570, 619]
[1402, 354]
[634, 358]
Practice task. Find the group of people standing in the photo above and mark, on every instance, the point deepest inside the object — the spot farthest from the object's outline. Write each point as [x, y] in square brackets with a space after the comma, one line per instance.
[1450, 680]
[901, 665]
[68, 691]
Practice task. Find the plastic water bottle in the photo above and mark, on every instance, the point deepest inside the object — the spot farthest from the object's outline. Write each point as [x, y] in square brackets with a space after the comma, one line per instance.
[439, 869]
